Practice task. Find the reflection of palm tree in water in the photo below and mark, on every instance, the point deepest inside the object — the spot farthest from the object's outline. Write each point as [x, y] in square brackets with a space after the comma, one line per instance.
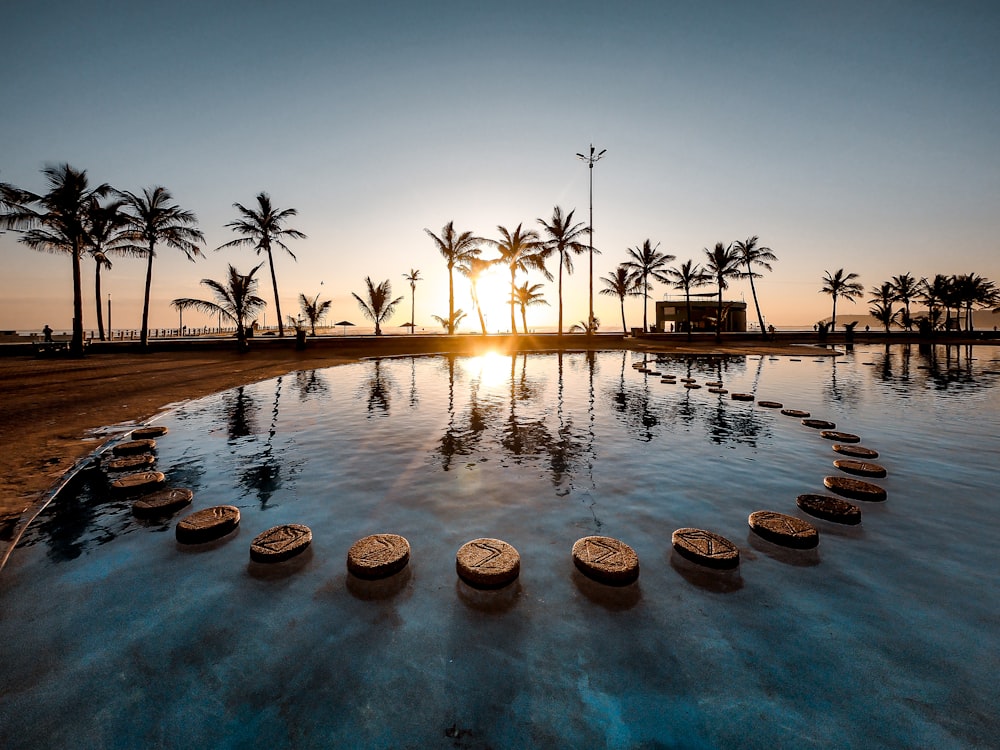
[528, 438]
[463, 437]
[310, 383]
[379, 390]
[264, 476]
[241, 413]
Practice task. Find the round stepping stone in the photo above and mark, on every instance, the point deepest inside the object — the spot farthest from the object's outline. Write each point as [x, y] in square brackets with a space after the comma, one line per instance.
[795, 359]
[858, 451]
[706, 548]
[141, 482]
[788, 531]
[132, 447]
[141, 433]
[130, 463]
[691, 385]
[717, 390]
[162, 503]
[487, 563]
[742, 397]
[855, 488]
[818, 424]
[844, 437]
[207, 524]
[861, 468]
[689, 380]
[770, 404]
[653, 373]
[606, 560]
[714, 383]
[280, 543]
[795, 413]
[672, 381]
[830, 509]
[378, 556]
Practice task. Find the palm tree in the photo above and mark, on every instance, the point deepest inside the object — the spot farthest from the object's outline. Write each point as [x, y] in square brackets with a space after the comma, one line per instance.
[379, 305]
[752, 256]
[153, 220]
[933, 294]
[262, 228]
[236, 300]
[313, 310]
[646, 262]
[882, 312]
[972, 289]
[906, 288]
[564, 240]
[685, 277]
[473, 269]
[843, 285]
[621, 283]
[57, 225]
[106, 231]
[520, 250]
[450, 323]
[526, 297]
[456, 249]
[723, 264]
[413, 277]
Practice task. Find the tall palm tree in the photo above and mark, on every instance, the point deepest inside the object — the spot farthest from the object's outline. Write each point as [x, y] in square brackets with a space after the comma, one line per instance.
[456, 248]
[413, 277]
[882, 311]
[379, 305]
[843, 285]
[972, 289]
[450, 323]
[906, 288]
[106, 232]
[933, 293]
[722, 264]
[685, 277]
[564, 240]
[753, 256]
[235, 299]
[647, 261]
[526, 297]
[153, 220]
[261, 228]
[56, 222]
[520, 250]
[621, 283]
[473, 269]
[313, 309]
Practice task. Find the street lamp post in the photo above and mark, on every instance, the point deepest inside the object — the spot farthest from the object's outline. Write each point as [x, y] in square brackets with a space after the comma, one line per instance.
[111, 336]
[591, 159]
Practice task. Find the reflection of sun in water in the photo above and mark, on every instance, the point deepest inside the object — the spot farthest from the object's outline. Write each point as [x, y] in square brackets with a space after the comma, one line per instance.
[494, 297]
[491, 369]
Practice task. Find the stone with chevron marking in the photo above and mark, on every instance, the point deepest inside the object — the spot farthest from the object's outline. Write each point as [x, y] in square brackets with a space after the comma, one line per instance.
[280, 543]
[378, 556]
[606, 560]
[705, 548]
[788, 531]
[488, 563]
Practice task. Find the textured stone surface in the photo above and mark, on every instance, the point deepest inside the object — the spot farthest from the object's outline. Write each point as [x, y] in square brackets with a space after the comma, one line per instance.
[487, 563]
[141, 482]
[717, 390]
[855, 488]
[207, 524]
[788, 531]
[742, 397]
[861, 468]
[378, 556]
[141, 433]
[818, 424]
[162, 502]
[858, 451]
[844, 437]
[606, 560]
[830, 509]
[770, 404]
[131, 447]
[280, 543]
[795, 413]
[706, 548]
[130, 463]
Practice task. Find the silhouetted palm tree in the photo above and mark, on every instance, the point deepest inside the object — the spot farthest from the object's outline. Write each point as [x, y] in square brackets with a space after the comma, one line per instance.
[526, 297]
[456, 250]
[646, 262]
[759, 257]
[622, 283]
[685, 277]
[235, 299]
[906, 288]
[153, 220]
[473, 269]
[450, 324]
[56, 222]
[564, 240]
[882, 311]
[106, 226]
[971, 289]
[722, 264]
[261, 228]
[843, 285]
[379, 305]
[520, 250]
[413, 277]
[314, 310]
[933, 293]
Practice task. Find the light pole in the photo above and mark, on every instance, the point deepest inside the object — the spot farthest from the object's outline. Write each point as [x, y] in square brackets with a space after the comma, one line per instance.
[111, 336]
[591, 160]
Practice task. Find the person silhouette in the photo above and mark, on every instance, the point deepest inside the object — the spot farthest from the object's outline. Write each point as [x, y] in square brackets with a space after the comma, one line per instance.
[48, 334]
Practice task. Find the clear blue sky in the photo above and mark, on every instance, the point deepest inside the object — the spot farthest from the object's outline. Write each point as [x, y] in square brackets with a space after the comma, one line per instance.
[856, 135]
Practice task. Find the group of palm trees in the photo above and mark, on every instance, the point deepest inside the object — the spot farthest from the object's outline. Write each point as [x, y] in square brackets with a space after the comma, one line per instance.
[941, 295]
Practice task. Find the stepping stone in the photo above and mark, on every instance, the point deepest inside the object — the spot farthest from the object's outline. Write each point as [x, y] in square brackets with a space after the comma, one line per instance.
[855, 489]
[691, 385]
[162, 503]
[788, 531]
[857, 451]
[136, 483]
[378, 556]
[654, 373]
[717, 390]
[714, 384]
[705, 548]
[818, 424]
[141, 433]
[861, 468]
[830, 509]
[132, 447]
[770, 404]
[795, 413]
[668, 381]
[689, 380]
[280, 543]
[794, 359]
[130, 463]
[207, 524]
[487, 563]
[742, 397]
[844, 437]
[606, 560]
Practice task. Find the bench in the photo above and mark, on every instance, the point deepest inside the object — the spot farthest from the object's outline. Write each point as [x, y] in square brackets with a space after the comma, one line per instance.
[59, 344]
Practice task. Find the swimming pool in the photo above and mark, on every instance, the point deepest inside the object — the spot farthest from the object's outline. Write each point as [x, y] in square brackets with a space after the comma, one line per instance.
[115, 636]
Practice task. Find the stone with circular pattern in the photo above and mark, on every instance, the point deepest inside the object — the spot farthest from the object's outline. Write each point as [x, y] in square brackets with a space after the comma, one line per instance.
[487, 563]
[829, 508]
[606, 560]
[207, 524]
[705, 548]
[855, 489]
[788, 531]
[378, 556]
[280, 543]
[162, 502]
[860, 468]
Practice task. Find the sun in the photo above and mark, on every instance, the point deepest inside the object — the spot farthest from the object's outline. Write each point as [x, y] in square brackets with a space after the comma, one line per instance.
[494, 299]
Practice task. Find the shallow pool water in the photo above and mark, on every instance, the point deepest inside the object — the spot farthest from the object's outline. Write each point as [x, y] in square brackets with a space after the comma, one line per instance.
[886, 636]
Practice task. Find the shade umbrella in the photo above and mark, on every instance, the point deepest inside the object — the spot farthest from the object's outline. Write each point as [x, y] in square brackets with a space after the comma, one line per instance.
[344, 324]
[411, 326]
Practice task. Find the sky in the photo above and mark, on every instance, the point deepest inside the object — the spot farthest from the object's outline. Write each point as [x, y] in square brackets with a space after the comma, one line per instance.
[863, 136]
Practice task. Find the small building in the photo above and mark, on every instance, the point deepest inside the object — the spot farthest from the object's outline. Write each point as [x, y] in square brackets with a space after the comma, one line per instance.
[671, 314]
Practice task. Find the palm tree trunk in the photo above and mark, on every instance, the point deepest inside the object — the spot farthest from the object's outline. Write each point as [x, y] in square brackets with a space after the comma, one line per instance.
[833, 320]
[97, 293]
[718, 315]
[524, 318]
[560, 294]
[753, 290]
[513, 290]
[451, 298]
[413, 305]
[274, 284]
[144, 333]
[645, 303]
[624, 329]
[479, 310]
[76, 345]
[687, 295]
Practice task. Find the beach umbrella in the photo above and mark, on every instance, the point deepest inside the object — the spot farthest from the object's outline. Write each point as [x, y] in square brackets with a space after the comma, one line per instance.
[344, 323]
[409, 325]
